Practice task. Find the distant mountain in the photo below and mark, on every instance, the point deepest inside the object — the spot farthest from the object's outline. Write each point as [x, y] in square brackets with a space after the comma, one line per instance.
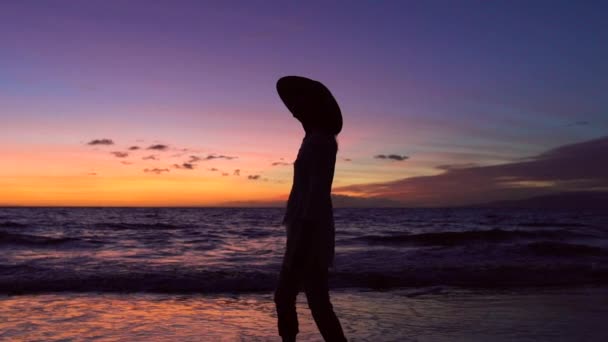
[344, 201]
[564, 200]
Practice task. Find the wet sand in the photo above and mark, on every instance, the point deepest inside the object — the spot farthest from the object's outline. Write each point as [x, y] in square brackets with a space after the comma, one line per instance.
[437, 314]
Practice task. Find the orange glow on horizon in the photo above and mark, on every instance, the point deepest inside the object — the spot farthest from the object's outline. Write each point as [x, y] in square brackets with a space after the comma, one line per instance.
[147, 190]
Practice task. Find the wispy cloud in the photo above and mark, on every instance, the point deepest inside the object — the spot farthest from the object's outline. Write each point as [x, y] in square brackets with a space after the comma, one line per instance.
[237, 172]
[213, 169]
[253, 177]
[395, 157]
[150, 157]
[124, 162]
[347, 159]
[280, 164]
[133, 148]
[156, 170]
[101, 142]
[220, 156]
[158, 147]
[225, 174]
[119, 154]
[194, 159]
[184, 166]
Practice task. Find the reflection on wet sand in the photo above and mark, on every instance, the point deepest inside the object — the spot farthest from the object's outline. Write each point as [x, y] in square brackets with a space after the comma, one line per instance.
[409, 315]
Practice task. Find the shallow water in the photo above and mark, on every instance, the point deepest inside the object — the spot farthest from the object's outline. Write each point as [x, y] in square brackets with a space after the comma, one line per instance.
[428, 314]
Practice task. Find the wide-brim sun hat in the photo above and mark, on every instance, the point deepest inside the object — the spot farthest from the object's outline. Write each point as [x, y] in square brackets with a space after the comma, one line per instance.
[311, 101]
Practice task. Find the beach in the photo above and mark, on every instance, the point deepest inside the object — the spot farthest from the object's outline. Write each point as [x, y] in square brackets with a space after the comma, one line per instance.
[437, 314]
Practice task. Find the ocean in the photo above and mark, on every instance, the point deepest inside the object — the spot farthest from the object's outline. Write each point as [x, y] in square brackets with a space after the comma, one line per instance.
[77, 256]
[209, 250]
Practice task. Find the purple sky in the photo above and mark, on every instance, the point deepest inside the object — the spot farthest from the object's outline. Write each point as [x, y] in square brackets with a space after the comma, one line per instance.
[471, 83]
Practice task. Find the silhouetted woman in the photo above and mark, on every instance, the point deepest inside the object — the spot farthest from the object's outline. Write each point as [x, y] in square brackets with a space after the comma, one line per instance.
[309, 216]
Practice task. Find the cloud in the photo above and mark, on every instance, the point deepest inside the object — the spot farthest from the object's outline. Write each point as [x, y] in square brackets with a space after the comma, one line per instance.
[221, 156]
[184, 166]
[391, 156]
[150, 157]
[347, 159]
[225, 174]
[280, 164]
[125, 162]
[195, 159]
[213, 169]
[119, 154]
[158, 147]
[237, 172]
[133, 148]
[101, 142]
[576, 167]
[156, 170]
[253, 177]
[92, 174]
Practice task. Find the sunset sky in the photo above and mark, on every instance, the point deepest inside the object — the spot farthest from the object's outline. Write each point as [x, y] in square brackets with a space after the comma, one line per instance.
[145, 103]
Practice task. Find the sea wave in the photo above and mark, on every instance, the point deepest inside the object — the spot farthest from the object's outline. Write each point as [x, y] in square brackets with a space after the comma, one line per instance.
[463, 237]
[138, 226]
[552, 224]
[11, 224]
[29, 240]
[14, 281]
[552, 248]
